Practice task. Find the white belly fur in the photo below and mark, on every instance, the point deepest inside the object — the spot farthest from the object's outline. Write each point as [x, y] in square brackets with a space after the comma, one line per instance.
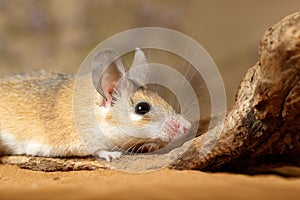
[22, 147]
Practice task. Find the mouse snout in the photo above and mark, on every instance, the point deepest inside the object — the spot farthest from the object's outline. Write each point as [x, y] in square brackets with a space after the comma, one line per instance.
[176, 126]
[185, 125]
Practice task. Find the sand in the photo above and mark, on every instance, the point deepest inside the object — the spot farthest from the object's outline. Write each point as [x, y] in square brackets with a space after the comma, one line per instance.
[16, 183]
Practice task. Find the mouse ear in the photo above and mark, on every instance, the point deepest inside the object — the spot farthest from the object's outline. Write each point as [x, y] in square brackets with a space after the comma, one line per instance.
[107, 69]
[139, 69]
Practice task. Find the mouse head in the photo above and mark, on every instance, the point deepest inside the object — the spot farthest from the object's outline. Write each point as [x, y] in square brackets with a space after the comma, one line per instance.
[133, 116]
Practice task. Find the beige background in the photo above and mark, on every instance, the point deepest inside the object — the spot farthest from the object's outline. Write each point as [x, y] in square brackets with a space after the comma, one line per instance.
[58, 34]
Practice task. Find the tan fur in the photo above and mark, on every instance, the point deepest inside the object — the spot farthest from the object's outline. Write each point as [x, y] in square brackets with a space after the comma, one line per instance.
[153, 99]
[38, 107]
[110, 119]
[146, 120]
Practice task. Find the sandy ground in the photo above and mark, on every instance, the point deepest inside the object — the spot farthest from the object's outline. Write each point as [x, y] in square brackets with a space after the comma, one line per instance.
[17, 183]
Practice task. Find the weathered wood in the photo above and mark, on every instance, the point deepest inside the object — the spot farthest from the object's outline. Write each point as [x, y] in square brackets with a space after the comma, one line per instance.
[53, 164]
[263, 127]
[260, 133]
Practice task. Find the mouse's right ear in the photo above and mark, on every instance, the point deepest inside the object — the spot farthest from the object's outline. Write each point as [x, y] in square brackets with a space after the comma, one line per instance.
[107, 69]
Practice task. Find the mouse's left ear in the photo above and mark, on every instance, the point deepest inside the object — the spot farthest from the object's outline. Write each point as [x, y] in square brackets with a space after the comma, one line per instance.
[139, 69]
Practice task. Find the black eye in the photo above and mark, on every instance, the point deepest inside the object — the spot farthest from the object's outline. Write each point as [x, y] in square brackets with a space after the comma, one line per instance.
[142, 108]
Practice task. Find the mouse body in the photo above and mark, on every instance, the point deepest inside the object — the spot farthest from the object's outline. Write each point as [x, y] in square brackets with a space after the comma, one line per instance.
[115, 112]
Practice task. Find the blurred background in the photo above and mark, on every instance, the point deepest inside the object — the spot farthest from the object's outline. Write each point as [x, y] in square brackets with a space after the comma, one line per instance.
[58, 34]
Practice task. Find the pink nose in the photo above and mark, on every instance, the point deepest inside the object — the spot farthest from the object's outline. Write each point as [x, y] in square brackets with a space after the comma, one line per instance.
[185, 125]
[176, 126]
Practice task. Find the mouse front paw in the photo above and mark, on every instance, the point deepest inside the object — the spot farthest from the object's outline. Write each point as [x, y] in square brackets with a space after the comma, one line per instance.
[108, 155]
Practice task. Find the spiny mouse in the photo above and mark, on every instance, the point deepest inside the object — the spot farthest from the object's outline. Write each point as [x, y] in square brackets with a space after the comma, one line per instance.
[114, 113]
